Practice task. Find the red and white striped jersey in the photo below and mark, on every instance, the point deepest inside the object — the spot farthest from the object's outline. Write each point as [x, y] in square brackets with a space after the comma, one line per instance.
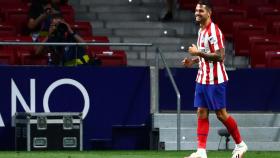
[209, 40]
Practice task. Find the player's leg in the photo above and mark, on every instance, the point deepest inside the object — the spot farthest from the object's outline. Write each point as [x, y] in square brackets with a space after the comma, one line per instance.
[202, 123]
[232, 127]
[202, 133]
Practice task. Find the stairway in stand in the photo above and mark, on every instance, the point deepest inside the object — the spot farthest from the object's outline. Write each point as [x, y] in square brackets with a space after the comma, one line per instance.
[260, 131]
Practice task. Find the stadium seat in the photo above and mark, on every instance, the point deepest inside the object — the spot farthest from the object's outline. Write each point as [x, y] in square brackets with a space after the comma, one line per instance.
[190, 4]
[187, 4]
[83, 28]
[112, 58]
[7, 30]
[242, 31]
[220, 2]
[269, 15]
[7, 57]
[27, 58]
[259, 47]
[4, 3]
[97, 39]
[225, 16]
[68, 13]
[272, 59]
[251, 6]
[18, 39]
[275, 28]
[17, 17]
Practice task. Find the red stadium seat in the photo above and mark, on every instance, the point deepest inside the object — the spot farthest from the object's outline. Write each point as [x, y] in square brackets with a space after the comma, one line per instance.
[187, 4]
[82, 28]
[276, 28]
[112, 58]
[18, 17]
[4, 3]
[220, 2]
[27, 58]
[272, 59]
[68, 13]
[269, 15]
[251, 6]
[97, 39]
[18, 39]
[243, 30]
[191, 4]
[225, 16]
[7, 30]
[259, 47]
[7, 57]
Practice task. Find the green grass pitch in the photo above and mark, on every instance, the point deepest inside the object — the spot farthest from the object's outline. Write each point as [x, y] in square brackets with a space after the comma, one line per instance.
[129, 154]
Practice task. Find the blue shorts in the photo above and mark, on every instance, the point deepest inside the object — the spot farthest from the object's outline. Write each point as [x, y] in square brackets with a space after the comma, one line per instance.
[212, 97]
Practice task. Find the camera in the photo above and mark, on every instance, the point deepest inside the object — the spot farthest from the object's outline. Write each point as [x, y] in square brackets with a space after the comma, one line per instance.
[62, 28]
[60, 31]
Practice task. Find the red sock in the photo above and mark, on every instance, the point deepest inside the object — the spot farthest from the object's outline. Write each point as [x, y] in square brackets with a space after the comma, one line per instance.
[202, 132]
[233, 129]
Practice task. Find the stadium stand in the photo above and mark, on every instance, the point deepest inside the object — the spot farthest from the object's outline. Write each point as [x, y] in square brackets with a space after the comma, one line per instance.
[83, 28]
[228, 14]
[242, 30]
[272, 59]
[7, 30]
[259, 47]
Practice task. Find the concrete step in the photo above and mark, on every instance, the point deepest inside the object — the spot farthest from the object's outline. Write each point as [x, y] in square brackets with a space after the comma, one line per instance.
[102, 32]
[243, 120]
[149, 62]
[249, 134]
[86, 17]
[127, 16]
[145, 32]
[125, 9]
[168, 55]
[186, 28]
[97, 24]
[253, 146]
[164, 48]
[74, 2]
[161, 40]
[108, 3]
[241, 62]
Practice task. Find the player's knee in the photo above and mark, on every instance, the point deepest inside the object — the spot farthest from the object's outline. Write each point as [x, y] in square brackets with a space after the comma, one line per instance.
[221, 116]
[202, 113]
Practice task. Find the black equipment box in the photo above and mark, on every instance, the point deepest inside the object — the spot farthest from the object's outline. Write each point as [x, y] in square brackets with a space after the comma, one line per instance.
[48, 131]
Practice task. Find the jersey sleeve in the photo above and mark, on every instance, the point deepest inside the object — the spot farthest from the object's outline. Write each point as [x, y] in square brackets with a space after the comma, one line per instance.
[216, 38]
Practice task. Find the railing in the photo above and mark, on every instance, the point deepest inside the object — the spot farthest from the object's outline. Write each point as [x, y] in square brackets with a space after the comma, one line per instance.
[14, 43]
[73, 44]
[159, 53]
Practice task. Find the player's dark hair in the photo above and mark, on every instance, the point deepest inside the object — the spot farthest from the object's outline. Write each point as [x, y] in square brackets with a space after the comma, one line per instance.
[207, 3]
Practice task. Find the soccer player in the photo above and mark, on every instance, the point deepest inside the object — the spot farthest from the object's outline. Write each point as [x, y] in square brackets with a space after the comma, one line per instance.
[211, 81]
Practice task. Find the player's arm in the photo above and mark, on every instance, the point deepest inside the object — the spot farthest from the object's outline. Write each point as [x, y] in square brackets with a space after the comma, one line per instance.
[217, 56]
[189, 62]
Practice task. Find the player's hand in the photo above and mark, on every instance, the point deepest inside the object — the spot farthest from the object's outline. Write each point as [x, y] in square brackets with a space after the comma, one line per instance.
[193, 50]
[188, 62]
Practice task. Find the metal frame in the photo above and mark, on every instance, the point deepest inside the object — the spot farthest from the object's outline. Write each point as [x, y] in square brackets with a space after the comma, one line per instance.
[178, 95]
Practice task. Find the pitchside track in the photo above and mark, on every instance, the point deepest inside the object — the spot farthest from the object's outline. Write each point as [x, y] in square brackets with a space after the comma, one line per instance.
[129, 154]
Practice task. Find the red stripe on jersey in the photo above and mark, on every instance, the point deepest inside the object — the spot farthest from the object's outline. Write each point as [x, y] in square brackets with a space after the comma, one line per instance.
[215, 71]
[218, 37]
[202, 73]
[207, 72]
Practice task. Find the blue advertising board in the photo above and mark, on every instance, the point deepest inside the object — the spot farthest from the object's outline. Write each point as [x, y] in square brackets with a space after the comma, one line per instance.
[106, 96]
